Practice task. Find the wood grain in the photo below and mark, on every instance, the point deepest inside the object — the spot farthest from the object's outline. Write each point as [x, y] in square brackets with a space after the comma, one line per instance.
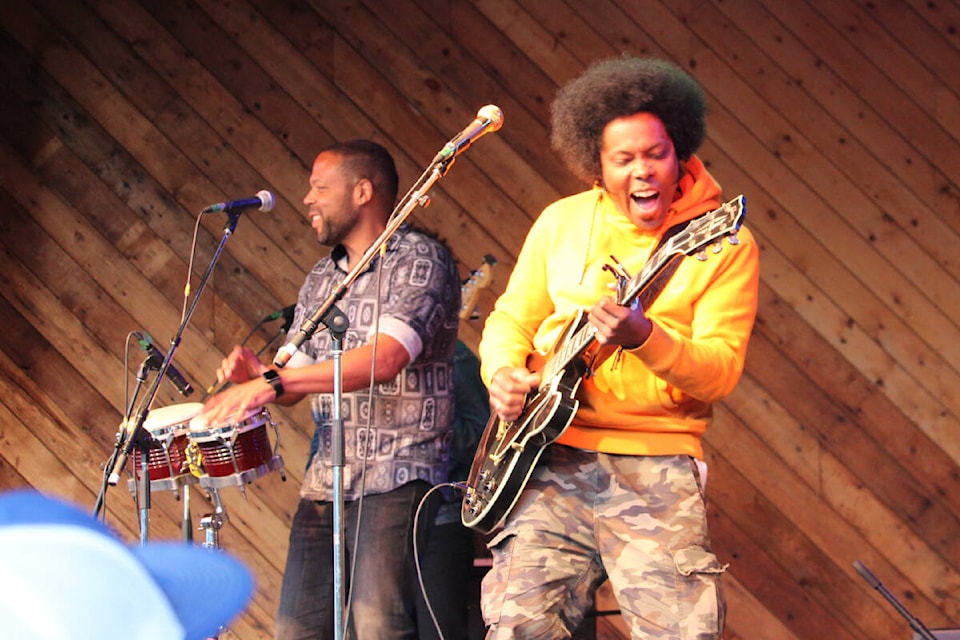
[839, 121]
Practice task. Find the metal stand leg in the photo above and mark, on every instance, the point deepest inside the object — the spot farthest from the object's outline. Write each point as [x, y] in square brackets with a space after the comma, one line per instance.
[211, 523]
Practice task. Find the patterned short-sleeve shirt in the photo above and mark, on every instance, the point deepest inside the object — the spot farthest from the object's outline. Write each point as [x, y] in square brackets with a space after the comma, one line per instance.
[409, 417]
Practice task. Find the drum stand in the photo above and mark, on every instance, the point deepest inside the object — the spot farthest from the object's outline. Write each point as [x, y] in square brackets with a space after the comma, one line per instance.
[211, 523]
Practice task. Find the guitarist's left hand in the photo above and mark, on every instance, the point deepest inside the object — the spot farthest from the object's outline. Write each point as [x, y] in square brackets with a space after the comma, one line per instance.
[628, 327]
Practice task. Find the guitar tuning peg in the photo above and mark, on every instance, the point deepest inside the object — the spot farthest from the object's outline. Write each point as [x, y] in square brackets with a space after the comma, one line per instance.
[718, 246]
[733, 239]
[702, 256]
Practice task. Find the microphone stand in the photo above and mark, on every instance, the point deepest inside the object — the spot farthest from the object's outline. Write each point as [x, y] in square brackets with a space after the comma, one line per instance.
[338, 327]
[915, 623]
[331, 317]
[121, 439]
[138, 433]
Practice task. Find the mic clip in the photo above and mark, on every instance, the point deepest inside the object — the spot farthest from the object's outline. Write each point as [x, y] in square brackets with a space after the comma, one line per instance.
[335, 320]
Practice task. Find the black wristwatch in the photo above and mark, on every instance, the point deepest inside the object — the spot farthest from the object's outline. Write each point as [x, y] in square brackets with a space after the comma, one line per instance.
[271, 376]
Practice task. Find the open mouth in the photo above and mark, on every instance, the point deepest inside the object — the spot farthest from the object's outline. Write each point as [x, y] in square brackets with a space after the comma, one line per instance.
[645, 200]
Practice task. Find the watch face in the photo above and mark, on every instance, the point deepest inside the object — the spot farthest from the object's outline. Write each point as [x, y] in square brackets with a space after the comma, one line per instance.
[273, 378]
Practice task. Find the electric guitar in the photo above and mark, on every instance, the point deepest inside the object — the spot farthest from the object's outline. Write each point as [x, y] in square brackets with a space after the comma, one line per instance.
[508, 451]
[470, 289]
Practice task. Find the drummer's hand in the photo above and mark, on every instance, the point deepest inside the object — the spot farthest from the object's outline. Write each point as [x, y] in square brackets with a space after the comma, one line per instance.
[508, 391]
[236, 401]
[241, 365]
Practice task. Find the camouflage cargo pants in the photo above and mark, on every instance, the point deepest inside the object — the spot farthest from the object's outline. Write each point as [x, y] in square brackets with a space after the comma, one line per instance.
[584, 517]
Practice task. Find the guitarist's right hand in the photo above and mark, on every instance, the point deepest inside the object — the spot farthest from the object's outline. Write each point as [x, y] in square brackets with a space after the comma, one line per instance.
[508, 391]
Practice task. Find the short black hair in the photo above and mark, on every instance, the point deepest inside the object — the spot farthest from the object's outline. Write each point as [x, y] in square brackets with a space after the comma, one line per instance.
[370, 160]
[620, 87]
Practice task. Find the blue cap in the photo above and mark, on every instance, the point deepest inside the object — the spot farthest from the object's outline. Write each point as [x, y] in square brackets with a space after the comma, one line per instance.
[65, 575]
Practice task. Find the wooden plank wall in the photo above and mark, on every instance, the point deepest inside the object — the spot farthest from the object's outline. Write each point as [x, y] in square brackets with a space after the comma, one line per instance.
[839, 121]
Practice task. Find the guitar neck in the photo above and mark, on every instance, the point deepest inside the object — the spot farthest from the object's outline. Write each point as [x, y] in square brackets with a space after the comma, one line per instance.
[571, 349]
[584, 336]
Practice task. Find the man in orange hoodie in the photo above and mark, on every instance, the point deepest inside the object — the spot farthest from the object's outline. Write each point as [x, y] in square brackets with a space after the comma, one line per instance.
[620, 494]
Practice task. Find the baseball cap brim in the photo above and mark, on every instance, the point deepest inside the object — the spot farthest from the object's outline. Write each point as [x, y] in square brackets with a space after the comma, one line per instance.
[206, 588]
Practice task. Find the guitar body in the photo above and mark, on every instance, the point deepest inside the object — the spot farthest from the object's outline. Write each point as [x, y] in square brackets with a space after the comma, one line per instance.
[508, 451]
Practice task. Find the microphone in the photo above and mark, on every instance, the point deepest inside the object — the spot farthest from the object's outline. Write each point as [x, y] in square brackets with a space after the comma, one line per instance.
[263, 201]
[286, 313]
[331, 317]
[146, 342]
[489, 118]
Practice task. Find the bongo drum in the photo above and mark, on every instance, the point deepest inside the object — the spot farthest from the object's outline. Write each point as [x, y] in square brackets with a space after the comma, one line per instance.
[240, 447]
[169, 429]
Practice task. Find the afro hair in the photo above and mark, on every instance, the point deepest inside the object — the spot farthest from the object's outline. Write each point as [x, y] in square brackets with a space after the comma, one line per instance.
[619, 87]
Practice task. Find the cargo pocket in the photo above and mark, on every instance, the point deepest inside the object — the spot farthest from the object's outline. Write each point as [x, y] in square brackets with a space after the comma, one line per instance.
[494, 584]
[699, 593]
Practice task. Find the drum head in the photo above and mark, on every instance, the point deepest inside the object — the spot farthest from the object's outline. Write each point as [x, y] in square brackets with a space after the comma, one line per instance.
[250, 419]
[178, 414]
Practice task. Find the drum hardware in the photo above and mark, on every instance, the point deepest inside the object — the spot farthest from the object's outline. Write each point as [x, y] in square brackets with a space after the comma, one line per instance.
[211, 523]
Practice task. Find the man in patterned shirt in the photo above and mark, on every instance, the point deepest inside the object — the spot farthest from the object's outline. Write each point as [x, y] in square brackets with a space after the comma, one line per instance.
[403, 319]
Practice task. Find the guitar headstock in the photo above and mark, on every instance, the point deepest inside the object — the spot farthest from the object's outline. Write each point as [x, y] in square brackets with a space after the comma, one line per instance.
[711, 227]
[479, 279]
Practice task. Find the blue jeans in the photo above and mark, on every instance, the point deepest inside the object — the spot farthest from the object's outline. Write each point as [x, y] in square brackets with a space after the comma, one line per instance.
[386, 601]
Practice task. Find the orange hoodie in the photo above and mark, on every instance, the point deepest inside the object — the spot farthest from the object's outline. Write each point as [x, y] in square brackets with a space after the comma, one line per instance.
[656, 399]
